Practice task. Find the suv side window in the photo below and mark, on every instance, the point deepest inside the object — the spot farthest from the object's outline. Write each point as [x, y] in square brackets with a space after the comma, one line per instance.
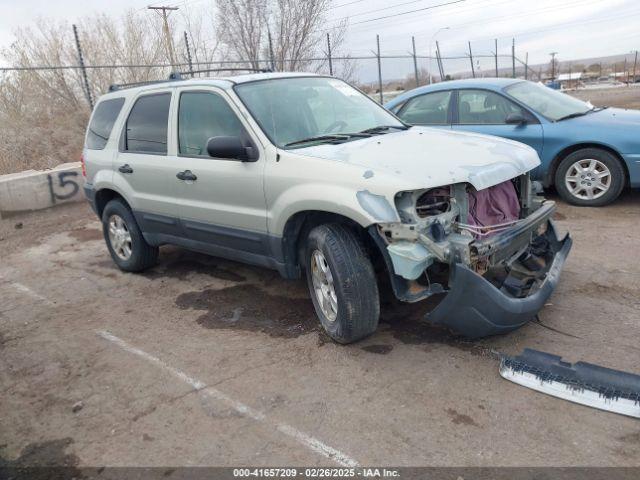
[102, 123]
[202, 115]
[427, 109]
[146, 128]
[482, 107]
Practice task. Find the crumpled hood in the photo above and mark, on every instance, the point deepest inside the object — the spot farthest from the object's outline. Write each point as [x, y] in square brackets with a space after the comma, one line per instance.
[432, 157]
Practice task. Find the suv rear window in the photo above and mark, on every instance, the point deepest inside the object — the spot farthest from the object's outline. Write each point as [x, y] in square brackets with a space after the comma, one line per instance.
[146, 128]
[102, 123]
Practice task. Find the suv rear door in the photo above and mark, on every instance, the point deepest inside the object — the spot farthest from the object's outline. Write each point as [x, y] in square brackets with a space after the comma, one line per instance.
[225, 205]
[143, 168]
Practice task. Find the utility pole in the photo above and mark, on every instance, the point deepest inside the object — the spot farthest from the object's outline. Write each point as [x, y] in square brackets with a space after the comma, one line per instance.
[635, 62]
[84, 69]
[496, 54]
[553, 65]
[329, 55]
[379, 70]
[526, 66]
[167, 33]
[186, 43]
[415, 61]
[473, 71]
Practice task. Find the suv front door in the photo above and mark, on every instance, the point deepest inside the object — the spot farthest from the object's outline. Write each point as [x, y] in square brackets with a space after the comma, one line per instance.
[485, 111]
[222, 201]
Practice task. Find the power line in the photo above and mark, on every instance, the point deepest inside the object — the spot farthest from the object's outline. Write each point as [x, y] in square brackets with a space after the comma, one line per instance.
[401, 13]
[378, 10]
[445, 10]
[345, 4]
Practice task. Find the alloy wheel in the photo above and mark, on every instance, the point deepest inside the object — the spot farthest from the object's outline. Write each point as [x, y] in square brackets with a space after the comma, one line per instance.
[588, 179]
[119, 237]
[322, 280]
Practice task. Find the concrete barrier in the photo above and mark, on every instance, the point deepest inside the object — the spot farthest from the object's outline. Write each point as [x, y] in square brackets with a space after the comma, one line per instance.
[38, 189]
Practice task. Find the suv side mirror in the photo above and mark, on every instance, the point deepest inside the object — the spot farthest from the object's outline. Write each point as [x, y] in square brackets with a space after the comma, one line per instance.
[515, 119]
[232, 148]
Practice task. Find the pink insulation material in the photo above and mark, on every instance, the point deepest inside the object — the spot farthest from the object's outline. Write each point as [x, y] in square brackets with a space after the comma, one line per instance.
[494, 205]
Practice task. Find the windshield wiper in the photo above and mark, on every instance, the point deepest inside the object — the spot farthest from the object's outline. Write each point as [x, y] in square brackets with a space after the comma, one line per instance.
[574, 115]
[382, 128]
[580, 114]
[319, 138]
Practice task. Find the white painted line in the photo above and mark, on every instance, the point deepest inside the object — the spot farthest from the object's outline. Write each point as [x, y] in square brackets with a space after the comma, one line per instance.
[26, 290]
[308, 441]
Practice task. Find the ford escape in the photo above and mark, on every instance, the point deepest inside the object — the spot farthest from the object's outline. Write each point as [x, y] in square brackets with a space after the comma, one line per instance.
[307, 175]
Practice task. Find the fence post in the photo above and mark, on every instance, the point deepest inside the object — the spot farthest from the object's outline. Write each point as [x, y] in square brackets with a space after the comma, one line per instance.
[83, 69]
[379, 70]
[415, 61]
[526, 66]
[635, 62]
[625, 71]
[513, 58]
[273, 63]
[473, 71]
[496, 54]
[440, 65]
[186, 42]
[329, 55]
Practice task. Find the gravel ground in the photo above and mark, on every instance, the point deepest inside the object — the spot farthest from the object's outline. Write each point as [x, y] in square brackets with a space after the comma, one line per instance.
[202, 361]
[621, 97]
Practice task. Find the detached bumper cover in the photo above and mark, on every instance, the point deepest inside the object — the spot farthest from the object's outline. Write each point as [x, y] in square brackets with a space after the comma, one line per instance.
[476, 308]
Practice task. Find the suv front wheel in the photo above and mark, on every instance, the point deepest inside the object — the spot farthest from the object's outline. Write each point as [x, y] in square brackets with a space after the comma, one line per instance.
[342, 283]
[127, 246]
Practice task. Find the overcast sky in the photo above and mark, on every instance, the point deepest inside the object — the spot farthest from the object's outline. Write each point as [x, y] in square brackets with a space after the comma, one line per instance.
[573, 28]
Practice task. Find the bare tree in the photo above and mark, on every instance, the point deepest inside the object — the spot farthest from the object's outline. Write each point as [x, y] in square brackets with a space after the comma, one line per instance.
[296, 28]
[241, 27]
[43, 113]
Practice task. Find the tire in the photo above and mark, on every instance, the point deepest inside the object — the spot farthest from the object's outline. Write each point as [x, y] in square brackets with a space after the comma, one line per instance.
[588, 157]
[354, 282]
[142, 255]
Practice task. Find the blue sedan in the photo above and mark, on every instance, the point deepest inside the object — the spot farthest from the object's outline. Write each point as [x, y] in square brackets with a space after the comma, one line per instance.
[589, 153]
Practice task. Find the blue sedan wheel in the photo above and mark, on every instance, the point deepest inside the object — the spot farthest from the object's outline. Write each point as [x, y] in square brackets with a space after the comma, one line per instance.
[590, 177]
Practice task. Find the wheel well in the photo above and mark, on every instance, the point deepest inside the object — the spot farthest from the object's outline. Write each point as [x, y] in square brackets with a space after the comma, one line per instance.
[301, 223]
[103, 197]
[551, 173]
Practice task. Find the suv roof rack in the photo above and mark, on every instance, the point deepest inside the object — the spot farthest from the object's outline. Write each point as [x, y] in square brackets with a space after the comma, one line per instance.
[173, 76]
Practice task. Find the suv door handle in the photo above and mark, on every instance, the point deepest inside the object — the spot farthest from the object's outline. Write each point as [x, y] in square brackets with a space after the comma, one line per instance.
[186, 175]
[125, 168]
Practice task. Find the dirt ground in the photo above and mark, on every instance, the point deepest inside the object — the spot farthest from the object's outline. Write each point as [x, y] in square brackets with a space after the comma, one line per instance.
[621, 97]
[202, 361]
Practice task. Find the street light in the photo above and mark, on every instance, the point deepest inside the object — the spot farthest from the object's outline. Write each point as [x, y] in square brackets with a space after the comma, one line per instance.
[430, 54]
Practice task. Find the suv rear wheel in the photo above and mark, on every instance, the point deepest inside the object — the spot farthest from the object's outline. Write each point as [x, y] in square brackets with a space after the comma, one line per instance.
[590, 177]
[342, 283]
[127, 246]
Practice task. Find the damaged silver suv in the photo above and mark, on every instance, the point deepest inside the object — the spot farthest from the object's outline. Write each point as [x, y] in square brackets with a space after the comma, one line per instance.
[307, 175]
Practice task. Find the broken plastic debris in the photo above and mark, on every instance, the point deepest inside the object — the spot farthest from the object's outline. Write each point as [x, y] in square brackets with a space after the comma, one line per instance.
[581, 382]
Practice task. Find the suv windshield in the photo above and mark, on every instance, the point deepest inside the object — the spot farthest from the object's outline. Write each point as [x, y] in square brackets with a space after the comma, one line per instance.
[303, 110]
[546, 101]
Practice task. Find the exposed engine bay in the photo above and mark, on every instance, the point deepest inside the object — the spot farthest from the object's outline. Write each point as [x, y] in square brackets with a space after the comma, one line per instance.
[502, 234]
